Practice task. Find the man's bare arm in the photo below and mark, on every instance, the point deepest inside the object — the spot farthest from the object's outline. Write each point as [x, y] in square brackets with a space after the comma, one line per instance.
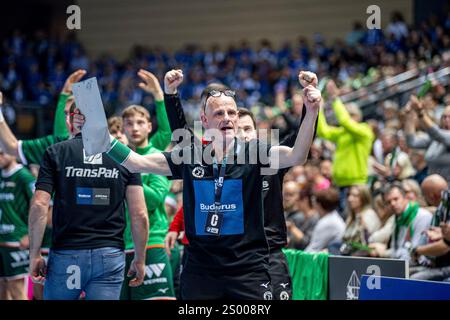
[138, 220]
[155, 163]
[37, 221]
[139, 230]
[8, 141]
[284, 157]
[435, 249]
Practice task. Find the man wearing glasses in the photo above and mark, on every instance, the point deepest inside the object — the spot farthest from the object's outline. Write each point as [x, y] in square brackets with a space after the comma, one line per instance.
[274, 220]
[222, 196]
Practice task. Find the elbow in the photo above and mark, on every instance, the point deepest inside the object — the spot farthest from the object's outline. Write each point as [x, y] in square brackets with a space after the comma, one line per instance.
[141, 217]
[38, 212]
[12, 148]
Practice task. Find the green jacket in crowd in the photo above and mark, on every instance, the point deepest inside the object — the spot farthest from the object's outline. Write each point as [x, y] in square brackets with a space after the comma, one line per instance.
[353, 146]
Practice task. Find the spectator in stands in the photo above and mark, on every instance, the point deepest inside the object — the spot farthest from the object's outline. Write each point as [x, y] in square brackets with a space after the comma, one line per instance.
[290, 205]
[353, 140]
[437, 140]
[419, 163]
[330, 227]
[362, 221]
[390, 114]
[413, 192]
[314, 176]
[397, 165]
[387, 219]
[432, 187]
[411, 222]
[326, 169]
[301, 225]
[438, 266]
[397, 27]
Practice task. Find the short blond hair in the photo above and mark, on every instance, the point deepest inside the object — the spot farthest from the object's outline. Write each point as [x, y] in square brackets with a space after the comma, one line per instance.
[115, 124]
[135, 109]
[353, 109]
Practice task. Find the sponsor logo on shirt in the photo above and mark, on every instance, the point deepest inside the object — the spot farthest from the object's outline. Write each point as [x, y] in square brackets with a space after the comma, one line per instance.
[72, 172]
[7, 197]
[93, 196]
[7, 228]
[95, 159]
[222, 207]
[7, 184]
[232, 206]
[265, 185]
[198, 172]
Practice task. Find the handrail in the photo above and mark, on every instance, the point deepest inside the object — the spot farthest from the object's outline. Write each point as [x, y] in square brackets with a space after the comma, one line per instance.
[381, 85]
[408, 86]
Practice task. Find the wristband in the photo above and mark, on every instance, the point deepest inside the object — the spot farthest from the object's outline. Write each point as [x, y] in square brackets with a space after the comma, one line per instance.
[1, 115]
[118, 152]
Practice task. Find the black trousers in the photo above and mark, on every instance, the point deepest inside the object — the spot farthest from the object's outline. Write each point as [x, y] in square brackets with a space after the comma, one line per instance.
[244, 286]
[280, 276]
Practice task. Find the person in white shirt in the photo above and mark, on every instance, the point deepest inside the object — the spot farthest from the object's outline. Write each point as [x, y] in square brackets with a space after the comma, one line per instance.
[411, 222]
[331, 227]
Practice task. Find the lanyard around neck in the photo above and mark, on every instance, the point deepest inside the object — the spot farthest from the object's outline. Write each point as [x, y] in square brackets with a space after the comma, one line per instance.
[218, 179]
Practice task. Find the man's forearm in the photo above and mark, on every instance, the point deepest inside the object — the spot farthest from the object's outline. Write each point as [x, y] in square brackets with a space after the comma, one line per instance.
[434, 249]
[299, 153]
[36, 224]
[154, 163]
[8, 141]
[139, 231]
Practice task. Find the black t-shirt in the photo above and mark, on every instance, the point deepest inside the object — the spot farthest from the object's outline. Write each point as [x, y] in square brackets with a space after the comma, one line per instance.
[274, 220]
[242, 245]
[89, 194]
[275, 223]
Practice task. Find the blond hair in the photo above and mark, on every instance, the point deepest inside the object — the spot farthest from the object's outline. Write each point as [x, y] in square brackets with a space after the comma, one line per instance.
[135, 109]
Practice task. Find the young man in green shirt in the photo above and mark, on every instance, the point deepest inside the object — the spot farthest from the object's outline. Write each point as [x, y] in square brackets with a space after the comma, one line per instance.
[16, 191]
[158, 281]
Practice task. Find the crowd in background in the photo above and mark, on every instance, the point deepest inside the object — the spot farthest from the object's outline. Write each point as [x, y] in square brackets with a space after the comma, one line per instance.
[34, 67]
[373, 181]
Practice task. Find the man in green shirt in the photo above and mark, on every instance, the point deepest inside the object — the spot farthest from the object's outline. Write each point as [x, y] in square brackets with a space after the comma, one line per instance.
[16, 191]
[158, 281]
[31, 151]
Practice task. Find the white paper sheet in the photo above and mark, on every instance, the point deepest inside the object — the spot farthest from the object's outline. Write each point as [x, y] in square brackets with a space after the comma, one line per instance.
[95, 130]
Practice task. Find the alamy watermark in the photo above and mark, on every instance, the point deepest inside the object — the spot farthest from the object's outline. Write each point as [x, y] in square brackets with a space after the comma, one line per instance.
[374, 20]
[73, 22]
[256, 151]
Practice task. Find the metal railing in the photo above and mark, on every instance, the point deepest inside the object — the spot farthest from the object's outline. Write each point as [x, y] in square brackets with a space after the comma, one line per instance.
[369, 97]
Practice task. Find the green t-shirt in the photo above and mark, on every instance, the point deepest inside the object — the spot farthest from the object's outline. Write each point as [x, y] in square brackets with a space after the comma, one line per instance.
[32, 151]
[162, 137]
[156, 188]
[16, 191]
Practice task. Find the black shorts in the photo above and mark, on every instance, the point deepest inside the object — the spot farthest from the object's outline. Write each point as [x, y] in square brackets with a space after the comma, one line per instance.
[280, 276]
[245, 286]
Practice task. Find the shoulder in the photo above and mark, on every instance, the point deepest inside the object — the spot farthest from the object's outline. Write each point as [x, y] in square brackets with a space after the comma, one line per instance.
[25, 175]
[424, 213]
